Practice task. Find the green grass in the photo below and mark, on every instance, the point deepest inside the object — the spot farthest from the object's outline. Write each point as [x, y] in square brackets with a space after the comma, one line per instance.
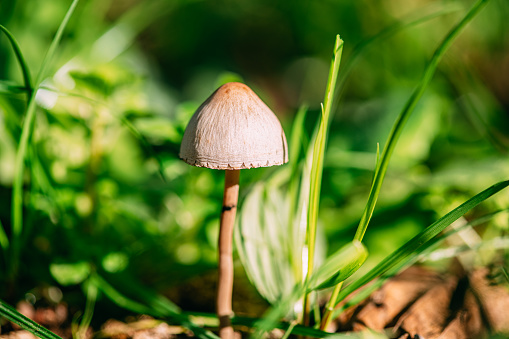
[12, 315]
[317, 167]
[397, 129]
[149, 212]
[28, 124]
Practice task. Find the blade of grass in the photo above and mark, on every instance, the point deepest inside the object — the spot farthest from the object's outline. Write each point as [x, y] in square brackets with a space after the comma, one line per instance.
[4, 240]
[92, 292]
[19, 319]
[17, 191]
[293, 196]
[421, 239]
[21, 61]
[339, 266]
[8, 87]
[271, 318]
[396, 132]
[210, 320]
[504, 271]
[156, 305]
[405, 114]
[419, 254]
[386, 33]
[317, 167]
[335, 267]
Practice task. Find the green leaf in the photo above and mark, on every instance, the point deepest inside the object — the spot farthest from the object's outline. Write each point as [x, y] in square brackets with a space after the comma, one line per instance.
[19, 319]
[70, 273]
[21, 61]
[263, 242]
[317, 166]
[339, 266]
[9, 87]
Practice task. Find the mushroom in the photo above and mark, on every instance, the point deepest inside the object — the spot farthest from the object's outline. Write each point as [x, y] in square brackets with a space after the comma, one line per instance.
[232, 130]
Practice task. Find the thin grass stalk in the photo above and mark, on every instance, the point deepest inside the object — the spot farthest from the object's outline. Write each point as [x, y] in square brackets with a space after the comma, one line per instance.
[92, 292]
[317, 168]
[17, 191]
[396, 132]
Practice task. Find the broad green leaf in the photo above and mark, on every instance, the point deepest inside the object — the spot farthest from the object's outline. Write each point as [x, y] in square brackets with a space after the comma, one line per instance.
[158, 128]
[339, 266]
[115, 262]
[263, 243]
[70, 273]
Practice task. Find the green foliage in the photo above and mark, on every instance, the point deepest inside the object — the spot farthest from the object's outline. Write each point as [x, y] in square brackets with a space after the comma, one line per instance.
[94, 193]
[339, 266]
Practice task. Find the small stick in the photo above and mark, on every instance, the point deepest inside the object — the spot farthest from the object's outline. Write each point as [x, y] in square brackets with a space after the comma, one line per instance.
[225, 284]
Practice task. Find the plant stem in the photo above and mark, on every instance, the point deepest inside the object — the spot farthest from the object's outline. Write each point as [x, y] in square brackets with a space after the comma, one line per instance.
[329, 308]
[225, 284]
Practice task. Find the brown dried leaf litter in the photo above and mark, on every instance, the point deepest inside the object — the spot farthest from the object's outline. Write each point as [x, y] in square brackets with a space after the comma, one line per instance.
[419, 303]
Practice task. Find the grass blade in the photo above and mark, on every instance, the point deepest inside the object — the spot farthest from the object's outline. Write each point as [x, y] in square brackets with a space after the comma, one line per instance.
[388, 32]
[421, 239]
[8, 87]
[21, 61]
[396, 131]
[339, 266]
[4, 240]
[405, 114]
[156, 305]
[92, 292]
[419, 254]
[317, 167]
[17, 191]
[19, 319]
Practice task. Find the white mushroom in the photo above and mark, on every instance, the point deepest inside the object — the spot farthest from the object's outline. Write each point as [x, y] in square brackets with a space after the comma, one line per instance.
[232, 130]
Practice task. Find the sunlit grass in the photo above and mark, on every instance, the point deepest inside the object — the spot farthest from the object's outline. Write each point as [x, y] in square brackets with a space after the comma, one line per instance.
[168, 209]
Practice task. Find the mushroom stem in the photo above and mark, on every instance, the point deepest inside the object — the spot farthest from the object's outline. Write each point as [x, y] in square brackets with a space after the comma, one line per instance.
[225, 284]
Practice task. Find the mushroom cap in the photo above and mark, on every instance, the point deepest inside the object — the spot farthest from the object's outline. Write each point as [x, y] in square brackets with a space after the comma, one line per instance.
[234, 129]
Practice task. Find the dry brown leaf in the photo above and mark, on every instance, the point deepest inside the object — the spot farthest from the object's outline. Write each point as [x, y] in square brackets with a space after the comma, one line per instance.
[421, 303]
[494, 300]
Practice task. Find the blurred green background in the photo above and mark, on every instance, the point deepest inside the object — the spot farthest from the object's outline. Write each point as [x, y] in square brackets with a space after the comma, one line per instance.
[129, 75]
